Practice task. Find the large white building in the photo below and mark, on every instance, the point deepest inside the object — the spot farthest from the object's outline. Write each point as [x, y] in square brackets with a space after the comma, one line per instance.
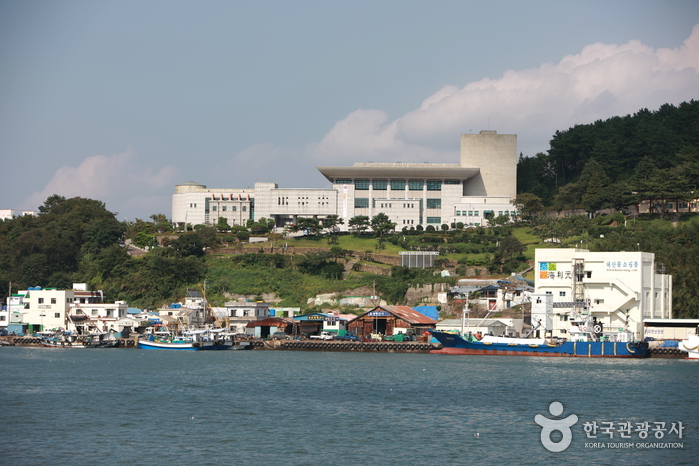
[619, 289]
[481, 186]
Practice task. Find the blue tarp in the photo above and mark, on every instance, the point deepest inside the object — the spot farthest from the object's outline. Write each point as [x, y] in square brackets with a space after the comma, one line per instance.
[429, 311]
[670, 344]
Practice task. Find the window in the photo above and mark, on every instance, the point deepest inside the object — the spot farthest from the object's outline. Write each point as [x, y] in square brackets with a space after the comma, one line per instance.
[398, 185]
[233, 313]
[588, 273]
[415, 185]
[470, 213]
[360, 202]
[434, 203]
[57, 315]
[434, 220]
[475, 213]
[53, 300]
[343, 181]
[361, 185]
[222, 208]
[452, 182]
[245, 208]
[214, 208]
[434, 185]
[94, 312]
[561, 293]
[381, 184]
[41, 300]
[458, 213]
[234, 208]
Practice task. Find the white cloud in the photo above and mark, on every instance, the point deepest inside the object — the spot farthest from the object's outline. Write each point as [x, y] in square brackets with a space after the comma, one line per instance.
[120, 181]
[602, 81]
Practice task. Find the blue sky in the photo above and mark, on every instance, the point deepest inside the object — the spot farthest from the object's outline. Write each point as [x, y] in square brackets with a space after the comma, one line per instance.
[122, 100]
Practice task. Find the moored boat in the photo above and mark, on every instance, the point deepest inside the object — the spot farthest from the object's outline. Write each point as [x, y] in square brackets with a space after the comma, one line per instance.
[191, 341]
[454, 344]
[61, 340]
[587, 341]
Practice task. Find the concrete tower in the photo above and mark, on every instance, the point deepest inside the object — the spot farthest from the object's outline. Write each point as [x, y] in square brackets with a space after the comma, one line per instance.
[496, 156]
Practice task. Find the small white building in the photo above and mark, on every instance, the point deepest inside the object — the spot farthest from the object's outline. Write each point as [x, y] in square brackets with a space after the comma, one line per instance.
[242, 312]
[618, 289]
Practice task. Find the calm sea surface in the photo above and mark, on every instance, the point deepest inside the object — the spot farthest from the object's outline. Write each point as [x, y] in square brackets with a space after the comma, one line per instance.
[129, 406]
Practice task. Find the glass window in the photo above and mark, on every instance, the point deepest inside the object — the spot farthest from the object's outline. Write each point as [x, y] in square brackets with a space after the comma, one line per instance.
[360, 202]
[222, 208]
[245, 208]
[41, 300]
[434, 203]
[361, 185]
[434, 220]
[434, 185]
[475, 213]
[398, 184]
[452, 182]
[415, 185]
[234, 208]
[470, 213]
[53, 300]
[343, 181]
[458, 213]
[381, 184]
[214, 208]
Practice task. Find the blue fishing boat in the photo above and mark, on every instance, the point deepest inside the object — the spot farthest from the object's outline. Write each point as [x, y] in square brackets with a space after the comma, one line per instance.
[502, 346]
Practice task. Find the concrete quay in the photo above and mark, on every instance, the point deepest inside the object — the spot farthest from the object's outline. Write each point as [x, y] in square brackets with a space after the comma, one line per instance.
[346, 346]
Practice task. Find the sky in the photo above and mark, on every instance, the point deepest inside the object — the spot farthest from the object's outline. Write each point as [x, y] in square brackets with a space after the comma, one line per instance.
[122, 100]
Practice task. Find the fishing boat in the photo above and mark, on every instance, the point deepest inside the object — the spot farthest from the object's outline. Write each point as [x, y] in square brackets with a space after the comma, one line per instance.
[587, 341]
[101, 340]
[60, 340]
[691, 346]
[193, 340]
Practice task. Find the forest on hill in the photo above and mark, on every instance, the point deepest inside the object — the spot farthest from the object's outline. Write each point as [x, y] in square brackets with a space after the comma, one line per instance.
[618, 162]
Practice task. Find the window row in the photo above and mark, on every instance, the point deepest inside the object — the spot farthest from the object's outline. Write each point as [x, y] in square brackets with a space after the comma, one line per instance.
[382, 185]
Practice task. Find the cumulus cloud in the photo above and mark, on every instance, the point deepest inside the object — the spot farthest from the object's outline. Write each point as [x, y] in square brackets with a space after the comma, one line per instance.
[120, 181]
[602, 81]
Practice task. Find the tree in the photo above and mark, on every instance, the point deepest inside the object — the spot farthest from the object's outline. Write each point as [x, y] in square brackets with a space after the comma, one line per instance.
[222, 224]
[331, 221]
[159, 218]
[310, 225]
[381, 224]
[528, 204]
[358, 224]
[50, 202]
[189, 244]
[592, 182]
[510, 246]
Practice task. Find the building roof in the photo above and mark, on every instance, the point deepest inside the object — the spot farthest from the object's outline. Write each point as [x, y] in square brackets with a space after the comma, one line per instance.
[472, 323]
[405, 313]
[270, 322]
[437, 171]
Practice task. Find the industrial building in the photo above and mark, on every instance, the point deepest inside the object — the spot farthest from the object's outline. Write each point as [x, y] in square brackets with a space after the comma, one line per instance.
[619, 290]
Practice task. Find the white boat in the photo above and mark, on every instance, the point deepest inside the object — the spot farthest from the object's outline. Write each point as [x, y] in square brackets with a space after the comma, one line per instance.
[192, 340]
[691, 346]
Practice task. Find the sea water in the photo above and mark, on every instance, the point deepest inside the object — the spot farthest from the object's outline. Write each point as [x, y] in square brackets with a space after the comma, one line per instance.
[130, 406]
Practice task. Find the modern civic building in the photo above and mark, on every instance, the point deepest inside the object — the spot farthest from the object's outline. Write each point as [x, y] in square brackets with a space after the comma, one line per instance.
[479, 187]
[619, 289]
